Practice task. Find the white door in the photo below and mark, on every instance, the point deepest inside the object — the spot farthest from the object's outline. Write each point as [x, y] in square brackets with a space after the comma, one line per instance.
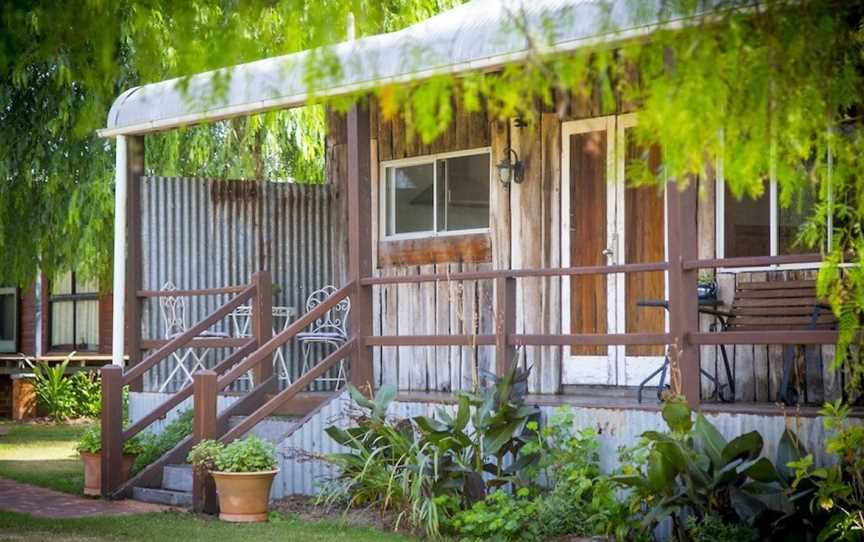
[605, 222]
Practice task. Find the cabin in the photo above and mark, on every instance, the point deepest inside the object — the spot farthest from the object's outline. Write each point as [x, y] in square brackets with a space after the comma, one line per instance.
[502, 241]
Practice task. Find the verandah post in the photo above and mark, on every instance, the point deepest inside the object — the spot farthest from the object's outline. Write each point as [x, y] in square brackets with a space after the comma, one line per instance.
[262, 322]
[112, 429]
[505, 322]
[134, 172]
[683, 297]
[360, 241]
[204, 422]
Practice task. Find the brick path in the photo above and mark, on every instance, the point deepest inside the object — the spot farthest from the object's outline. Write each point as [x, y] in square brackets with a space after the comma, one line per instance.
[47, 503]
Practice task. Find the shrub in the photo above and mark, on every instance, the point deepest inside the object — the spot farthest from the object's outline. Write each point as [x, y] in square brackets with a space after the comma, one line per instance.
[692, 471]
[713, 529]
[67, 396]
[837, 490]
[426, 469]
[155, 445]
[54, 390]
[247, 455]
[578, 499]
[500, 517]
[91, 443]
[86, 394]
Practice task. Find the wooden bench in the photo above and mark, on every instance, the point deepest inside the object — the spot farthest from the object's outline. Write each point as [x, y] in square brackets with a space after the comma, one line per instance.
[778, 305]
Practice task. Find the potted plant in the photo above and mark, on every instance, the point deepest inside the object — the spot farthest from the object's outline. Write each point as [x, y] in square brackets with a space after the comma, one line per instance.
[707, 287]
[90, 449]
[243, 472]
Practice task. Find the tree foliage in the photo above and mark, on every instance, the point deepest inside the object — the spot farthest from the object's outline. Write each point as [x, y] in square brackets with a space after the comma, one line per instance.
[63, 63]
[770, 89]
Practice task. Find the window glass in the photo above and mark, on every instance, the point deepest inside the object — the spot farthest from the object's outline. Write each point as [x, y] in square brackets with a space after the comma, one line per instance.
[443, 195]
[7, 317]
[411, 192]
[463, 184]
[790, 220]
[74, 313]
[747, 226]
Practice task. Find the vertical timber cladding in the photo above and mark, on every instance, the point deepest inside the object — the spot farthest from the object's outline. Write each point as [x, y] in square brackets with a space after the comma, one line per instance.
[523, 233]
[204, 233]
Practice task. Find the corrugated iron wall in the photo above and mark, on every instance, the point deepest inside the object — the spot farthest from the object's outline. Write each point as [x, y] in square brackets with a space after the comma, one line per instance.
[205, 233]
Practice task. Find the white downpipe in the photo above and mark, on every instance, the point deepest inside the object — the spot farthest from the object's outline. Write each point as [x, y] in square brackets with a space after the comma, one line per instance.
[118, 321]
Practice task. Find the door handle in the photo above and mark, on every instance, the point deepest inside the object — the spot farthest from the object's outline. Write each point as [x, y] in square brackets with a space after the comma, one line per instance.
[609, 254]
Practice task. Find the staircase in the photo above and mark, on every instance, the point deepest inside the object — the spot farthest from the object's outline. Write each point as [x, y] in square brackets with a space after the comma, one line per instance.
[176, 487]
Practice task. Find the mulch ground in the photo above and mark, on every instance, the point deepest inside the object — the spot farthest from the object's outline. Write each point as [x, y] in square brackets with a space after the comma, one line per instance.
[306, 509]
[47, 503]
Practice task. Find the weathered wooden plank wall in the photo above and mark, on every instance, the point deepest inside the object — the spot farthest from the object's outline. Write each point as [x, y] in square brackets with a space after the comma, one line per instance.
[524, 232]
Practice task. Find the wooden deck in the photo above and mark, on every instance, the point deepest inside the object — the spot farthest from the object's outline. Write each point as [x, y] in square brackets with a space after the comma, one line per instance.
[624, 398]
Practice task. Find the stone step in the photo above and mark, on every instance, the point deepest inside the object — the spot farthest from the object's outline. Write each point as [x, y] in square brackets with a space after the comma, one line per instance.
[181, 499]
[177, 478]
[272, 428]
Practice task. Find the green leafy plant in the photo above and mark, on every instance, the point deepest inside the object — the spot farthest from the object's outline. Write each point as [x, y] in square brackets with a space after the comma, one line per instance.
[387, 466]
[474, 457]
[54, 390]
[250, 454]
[154, 445]
[86, 391]
[694, 471]
[91, 443]
[712, 529]
[576, 497]
[426, 469]
[838, 488]
[500, 517]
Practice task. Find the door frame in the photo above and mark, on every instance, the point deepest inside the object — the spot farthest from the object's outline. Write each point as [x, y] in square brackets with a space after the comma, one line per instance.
[612, 369]
[595, 369]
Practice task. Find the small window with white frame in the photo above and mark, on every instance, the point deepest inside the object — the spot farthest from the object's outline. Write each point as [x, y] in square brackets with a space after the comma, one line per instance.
[436, 195]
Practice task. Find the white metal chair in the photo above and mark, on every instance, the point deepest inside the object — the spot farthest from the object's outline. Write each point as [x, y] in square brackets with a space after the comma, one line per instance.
[173, 310]
[241, 319]
[330, 330]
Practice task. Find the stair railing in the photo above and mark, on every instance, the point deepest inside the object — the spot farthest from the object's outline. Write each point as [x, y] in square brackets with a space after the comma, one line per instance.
[114, 379]
[207, 385]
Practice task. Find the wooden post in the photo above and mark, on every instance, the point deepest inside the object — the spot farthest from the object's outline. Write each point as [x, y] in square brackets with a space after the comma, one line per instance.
[204, 391]
[134, 172]
[112, 428]
[683, 298]
[505, 322]
[262, 322]
[360, 241]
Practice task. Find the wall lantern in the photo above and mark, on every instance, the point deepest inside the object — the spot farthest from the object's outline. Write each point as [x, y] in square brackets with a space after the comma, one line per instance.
[510, 169]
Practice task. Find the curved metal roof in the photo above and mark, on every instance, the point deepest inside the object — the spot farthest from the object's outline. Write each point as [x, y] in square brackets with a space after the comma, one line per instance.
[479, 35]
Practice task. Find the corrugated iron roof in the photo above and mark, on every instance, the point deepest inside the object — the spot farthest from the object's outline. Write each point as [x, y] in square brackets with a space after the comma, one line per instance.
[479, 35]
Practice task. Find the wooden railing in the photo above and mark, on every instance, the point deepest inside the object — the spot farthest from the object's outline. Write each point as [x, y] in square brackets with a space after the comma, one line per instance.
[207, 385]
[684, 332]
[114, 378]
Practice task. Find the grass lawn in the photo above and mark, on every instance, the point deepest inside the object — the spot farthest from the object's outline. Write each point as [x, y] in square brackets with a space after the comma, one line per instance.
[43, 454]
[179, 526]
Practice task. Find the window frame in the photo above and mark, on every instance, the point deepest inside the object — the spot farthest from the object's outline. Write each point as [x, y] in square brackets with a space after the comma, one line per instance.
[773, 225]
[11, 346]
[386, 198]
[72, 298]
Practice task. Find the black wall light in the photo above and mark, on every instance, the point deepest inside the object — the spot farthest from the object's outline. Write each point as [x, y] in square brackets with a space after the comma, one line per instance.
[510, 169]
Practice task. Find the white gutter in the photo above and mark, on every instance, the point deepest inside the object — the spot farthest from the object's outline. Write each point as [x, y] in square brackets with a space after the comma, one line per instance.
[491, 63]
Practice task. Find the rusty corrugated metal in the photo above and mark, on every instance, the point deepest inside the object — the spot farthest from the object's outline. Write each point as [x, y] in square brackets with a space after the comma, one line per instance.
[204, 233]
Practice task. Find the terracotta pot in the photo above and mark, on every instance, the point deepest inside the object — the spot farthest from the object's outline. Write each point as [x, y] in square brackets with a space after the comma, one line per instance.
[244, 496]
[93, 472]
